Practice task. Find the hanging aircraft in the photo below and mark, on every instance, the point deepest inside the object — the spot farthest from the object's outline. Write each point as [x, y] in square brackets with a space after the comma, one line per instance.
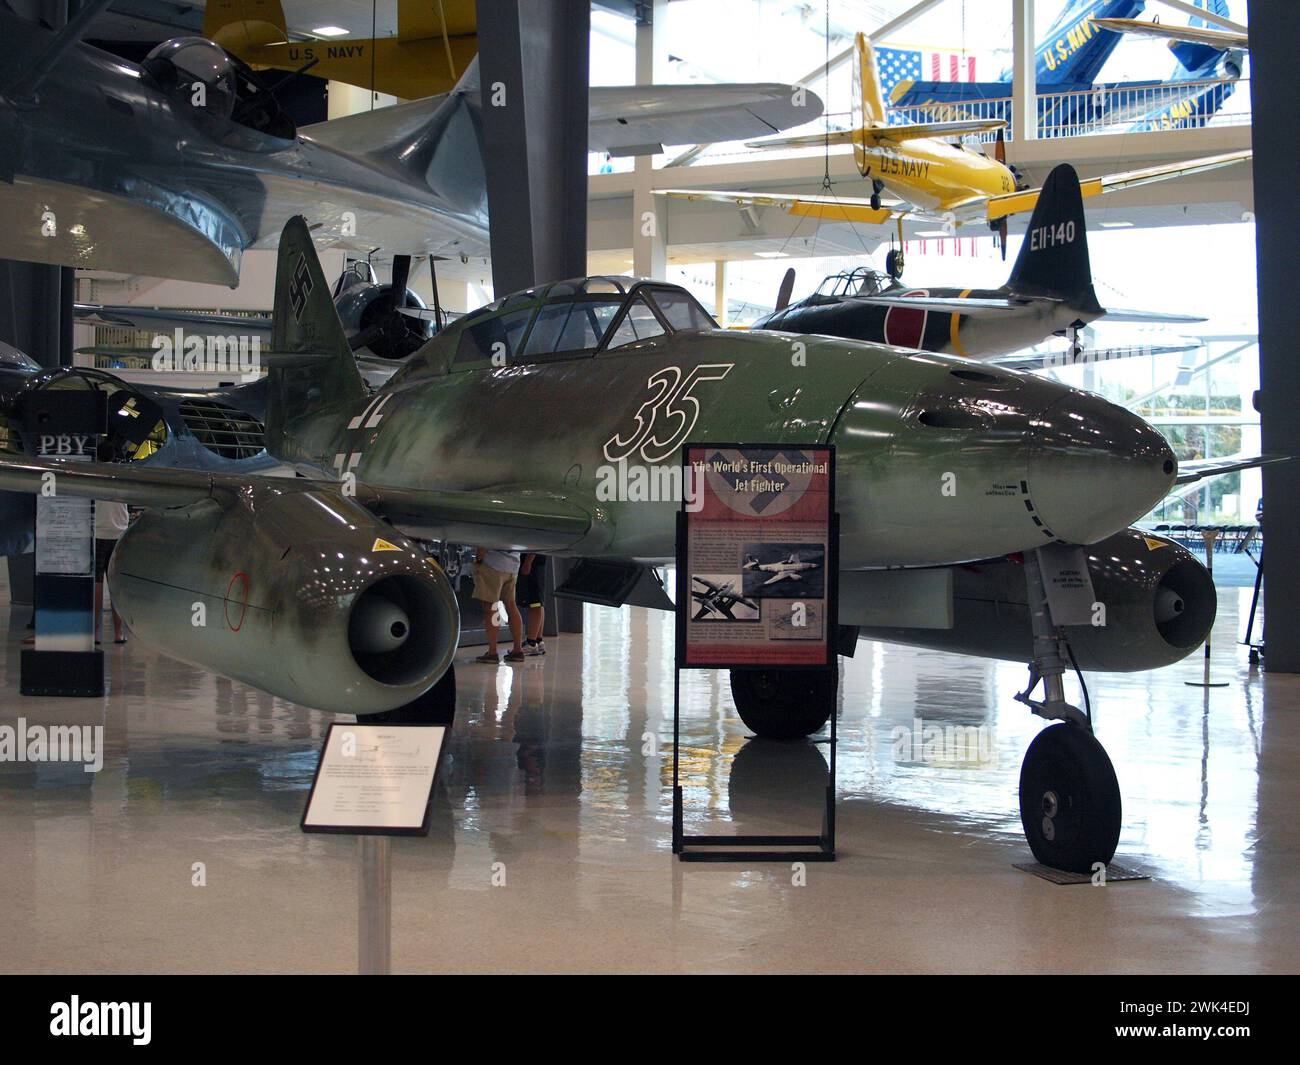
[184, 161]
[317, 588]
[1048, 293]
[434, 44]
[936, 180]
[1069, 58]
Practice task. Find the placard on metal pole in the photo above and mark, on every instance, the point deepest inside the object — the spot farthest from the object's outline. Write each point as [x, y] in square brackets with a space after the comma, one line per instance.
[757, 588]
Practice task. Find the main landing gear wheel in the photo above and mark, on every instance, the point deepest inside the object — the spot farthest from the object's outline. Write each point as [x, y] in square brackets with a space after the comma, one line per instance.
[894, 263]
[437, 706]
[784, 704]
[1069, 799]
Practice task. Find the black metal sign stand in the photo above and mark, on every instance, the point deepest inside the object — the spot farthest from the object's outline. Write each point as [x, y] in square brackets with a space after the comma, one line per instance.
[818, 848]
[743, 848]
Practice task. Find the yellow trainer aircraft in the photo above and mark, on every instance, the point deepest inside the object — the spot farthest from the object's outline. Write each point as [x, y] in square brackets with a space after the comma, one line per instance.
[935, 179]
[435, 42]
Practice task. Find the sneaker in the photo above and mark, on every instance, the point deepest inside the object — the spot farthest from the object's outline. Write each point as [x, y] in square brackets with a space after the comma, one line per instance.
[515, 656]
[535, 647]
[488, 656]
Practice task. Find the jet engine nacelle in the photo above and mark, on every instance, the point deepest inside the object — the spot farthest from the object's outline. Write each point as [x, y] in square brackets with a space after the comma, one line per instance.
[303, 594]
[1159, 603]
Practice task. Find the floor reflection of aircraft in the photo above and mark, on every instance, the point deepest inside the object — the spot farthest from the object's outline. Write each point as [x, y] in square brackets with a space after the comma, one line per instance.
[789, 570]
[718, 601]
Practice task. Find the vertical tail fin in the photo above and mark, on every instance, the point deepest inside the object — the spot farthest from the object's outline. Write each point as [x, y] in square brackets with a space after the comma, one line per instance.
[868, 102]
[312, 368]
[1053, 260]
[239, 24]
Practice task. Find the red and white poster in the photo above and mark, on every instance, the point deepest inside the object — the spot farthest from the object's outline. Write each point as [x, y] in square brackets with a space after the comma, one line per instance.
[756, 565]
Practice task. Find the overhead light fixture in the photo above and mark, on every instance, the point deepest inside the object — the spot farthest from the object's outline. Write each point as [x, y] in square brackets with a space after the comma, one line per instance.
[934, 233]
[771, 255]
[1116, 225]
[329, 31]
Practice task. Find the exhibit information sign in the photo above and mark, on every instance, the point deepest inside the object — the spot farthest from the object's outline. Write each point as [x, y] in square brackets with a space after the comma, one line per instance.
[756, 569]
[375, 779]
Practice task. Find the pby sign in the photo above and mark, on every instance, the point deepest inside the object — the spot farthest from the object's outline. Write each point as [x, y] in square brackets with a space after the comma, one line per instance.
[66, 444]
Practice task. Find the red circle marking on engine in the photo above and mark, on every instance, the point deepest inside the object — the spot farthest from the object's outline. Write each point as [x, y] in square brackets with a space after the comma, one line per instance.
[905, 326]
[242, 578]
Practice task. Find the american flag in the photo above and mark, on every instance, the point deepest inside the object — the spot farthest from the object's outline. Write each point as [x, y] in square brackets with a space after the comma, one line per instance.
[901, 64]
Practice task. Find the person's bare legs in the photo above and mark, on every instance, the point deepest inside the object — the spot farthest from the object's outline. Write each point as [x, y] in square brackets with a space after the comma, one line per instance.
[516, 624]
[119, 633]
[490, 626]
[536, 619]
[99, 611]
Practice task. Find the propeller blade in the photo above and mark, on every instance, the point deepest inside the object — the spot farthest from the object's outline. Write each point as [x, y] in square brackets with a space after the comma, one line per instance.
[366, 337]
[1002, 236]
[1000, 148]
[401, 274]
[787, 287]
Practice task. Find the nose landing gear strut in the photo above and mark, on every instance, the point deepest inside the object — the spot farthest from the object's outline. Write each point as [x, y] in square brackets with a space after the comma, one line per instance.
[1070, 805]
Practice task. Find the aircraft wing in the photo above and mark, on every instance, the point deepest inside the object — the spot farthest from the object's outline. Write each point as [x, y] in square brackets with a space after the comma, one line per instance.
[830, 208]
[512, 518]
[1015, 202]
[641, 119]
[193, 322]
[1200, 469]
[973, 308]
[908, 131]
[1222, 39]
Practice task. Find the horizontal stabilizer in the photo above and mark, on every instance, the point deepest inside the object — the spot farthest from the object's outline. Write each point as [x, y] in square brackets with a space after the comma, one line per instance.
[1055, 360]
[1114, 314]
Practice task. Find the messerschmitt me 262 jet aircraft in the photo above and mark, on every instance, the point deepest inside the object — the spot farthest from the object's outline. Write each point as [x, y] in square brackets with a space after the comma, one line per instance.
[791, 569]
[965, 486]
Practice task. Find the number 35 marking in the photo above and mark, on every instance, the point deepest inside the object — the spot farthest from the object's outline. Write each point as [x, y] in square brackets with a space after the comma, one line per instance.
[665, 420]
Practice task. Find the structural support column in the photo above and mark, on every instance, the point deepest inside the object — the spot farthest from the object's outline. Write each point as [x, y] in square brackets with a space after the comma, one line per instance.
[720, 292]
[1274, 28]
[533, 65]
[1024, 76]
[649, 212]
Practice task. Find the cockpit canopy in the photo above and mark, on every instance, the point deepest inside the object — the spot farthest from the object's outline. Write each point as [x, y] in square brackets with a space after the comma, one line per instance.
[219, 90]
[195, 73]
[862, 281]
[570, 319]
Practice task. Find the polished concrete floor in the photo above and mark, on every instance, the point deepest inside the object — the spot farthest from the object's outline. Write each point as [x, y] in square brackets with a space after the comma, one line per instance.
[549, 849]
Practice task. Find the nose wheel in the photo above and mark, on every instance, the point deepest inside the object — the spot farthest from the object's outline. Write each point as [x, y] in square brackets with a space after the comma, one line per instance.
[1070, 804]
[784, 704]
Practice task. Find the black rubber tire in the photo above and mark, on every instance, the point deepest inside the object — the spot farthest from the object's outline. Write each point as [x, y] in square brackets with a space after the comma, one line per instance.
[437, 706]
[894, 263]
[1069, 799]
[784, 704]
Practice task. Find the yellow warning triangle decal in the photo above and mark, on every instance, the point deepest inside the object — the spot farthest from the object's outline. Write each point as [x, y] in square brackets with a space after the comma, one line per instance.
[1153, 544]
[383, 545]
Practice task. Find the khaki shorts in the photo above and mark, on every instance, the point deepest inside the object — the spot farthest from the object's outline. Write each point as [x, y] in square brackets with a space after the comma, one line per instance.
[491, 585]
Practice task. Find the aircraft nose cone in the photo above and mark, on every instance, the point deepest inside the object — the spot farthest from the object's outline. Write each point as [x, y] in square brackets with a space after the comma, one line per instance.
[1095, 468]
